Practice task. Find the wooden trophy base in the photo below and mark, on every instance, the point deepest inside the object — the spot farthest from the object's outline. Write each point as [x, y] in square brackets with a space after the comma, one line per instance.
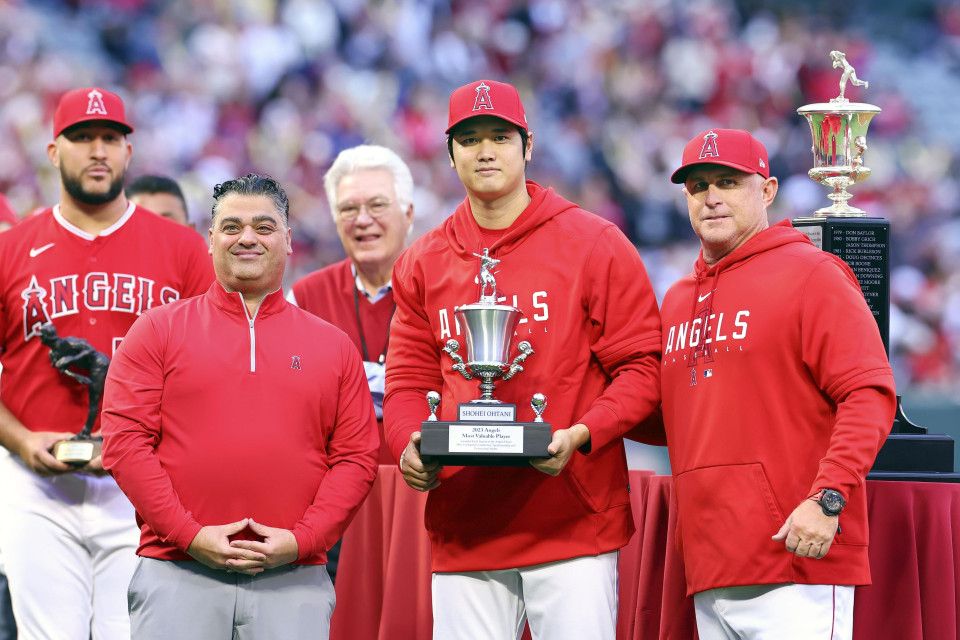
[77, 452]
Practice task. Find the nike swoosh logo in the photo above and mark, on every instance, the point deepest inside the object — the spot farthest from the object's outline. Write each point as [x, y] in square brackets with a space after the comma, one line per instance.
[703, 297]
[35, 252]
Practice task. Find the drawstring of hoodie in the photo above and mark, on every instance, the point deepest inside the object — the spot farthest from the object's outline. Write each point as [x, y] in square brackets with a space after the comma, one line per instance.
[702, 307]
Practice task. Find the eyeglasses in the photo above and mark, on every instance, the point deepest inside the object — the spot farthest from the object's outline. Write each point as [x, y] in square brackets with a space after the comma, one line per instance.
[376, 208]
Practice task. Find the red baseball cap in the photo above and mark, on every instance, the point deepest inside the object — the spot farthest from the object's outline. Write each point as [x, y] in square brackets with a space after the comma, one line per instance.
[90, 103]
[486, 98]
[734, 148]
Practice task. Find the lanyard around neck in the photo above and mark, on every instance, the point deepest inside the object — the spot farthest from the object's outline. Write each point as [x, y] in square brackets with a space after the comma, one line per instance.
[363, 340]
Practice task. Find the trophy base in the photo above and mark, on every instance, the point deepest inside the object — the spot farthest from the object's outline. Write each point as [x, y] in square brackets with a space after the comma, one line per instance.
[912, 454]
[484, 444]
[77, 452]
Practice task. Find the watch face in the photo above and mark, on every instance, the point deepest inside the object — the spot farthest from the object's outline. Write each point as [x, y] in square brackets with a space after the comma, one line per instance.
[832, 501]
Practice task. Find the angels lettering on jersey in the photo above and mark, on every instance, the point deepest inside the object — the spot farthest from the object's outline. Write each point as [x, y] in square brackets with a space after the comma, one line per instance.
[97, 291]
[705, 340]
[535, 309]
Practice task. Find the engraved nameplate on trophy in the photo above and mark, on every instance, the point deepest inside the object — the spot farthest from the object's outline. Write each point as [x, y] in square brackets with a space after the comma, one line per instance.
[467, 411]
[70, 355]
[486, 432]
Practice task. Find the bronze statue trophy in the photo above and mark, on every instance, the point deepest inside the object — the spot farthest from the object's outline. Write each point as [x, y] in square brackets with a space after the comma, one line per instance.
[486, 432]
[839, 130]
[68, 354]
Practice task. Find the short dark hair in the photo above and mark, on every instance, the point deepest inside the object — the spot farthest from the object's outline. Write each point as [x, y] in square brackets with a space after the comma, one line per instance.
[151, 184]
[253, 184]
[523, 141]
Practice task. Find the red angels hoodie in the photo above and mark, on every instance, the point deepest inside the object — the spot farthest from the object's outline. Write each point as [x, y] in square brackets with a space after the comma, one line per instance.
[775, 385]
[591, 317]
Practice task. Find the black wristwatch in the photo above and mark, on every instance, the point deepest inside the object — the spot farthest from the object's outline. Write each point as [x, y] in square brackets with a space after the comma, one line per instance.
[830, 501]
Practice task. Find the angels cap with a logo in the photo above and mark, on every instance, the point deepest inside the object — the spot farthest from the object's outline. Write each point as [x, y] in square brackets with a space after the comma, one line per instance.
[486, 98]
[89, 103]
[734, 148]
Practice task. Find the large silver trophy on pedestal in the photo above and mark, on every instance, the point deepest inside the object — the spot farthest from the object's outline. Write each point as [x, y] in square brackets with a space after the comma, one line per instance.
[839, 130]
[486, 431]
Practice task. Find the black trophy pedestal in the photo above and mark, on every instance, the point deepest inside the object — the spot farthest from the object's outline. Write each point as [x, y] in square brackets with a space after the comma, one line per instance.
[909, 453]
[484, 444]
[912, 454]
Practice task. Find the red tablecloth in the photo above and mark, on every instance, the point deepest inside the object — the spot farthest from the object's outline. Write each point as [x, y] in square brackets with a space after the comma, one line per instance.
[383, 581]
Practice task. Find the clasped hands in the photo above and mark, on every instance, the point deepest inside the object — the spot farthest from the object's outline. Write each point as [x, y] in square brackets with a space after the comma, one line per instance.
[212, 547]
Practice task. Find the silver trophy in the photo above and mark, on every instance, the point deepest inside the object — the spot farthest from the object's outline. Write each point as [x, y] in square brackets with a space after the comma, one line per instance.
[486, 431]
[839, 129]
[488, 329]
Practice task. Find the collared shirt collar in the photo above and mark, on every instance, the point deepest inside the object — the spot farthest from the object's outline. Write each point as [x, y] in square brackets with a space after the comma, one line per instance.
[377, 295]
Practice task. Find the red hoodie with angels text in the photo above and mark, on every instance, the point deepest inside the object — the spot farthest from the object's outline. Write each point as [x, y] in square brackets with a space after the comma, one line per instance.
[775, 385]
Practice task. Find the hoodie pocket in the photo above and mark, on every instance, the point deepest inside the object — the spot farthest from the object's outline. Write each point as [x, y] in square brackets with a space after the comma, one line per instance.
[728, 514]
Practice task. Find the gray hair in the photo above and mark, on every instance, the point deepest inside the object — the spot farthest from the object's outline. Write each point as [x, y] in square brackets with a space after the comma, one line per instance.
[367, 157]
[253, 184]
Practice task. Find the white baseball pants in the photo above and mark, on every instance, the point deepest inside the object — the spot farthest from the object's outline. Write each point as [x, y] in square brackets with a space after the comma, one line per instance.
[776, 612]
[565, 600]
[70, 548]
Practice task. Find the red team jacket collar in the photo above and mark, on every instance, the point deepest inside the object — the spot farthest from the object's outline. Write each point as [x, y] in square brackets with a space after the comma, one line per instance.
[463, 232]
[779, 234]
[232, 302]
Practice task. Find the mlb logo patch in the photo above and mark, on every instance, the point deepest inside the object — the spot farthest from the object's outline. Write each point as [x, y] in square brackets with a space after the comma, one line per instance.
[708, 373]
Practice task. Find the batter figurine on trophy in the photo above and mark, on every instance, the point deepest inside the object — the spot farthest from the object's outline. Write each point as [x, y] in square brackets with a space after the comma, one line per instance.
[486, 276]
[849, 74]
[76, 352]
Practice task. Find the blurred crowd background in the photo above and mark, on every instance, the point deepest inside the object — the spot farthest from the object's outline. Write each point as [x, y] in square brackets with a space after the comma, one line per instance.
[613, 89]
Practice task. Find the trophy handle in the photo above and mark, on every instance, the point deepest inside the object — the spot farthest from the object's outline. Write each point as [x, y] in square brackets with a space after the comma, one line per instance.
[515, 366]
[451, 348]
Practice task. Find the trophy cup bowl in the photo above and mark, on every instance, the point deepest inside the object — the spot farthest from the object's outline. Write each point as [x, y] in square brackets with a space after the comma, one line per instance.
[839, 130]
[488, 330]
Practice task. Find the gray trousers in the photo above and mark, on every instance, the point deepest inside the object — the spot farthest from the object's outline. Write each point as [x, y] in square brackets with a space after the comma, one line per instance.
[187, 600]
